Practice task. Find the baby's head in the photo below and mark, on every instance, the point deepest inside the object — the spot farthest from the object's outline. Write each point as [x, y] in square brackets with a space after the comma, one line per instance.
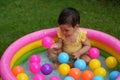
[69, 16]
[69, 20]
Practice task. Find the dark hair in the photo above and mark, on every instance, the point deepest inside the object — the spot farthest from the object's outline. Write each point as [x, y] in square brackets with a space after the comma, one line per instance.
[69, 16]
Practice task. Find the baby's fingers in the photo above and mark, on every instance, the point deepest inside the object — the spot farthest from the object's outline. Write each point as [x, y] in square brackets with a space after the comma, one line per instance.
[54, 46]
[76, 57]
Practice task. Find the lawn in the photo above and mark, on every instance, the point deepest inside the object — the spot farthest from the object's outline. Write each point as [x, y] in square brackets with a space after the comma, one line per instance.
[21, 17]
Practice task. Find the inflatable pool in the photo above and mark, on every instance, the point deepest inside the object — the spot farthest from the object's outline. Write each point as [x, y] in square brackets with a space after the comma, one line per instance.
[21, 47]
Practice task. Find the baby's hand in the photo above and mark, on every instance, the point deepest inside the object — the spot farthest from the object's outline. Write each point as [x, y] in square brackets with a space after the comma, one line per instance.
[76, 55]
[55, 46]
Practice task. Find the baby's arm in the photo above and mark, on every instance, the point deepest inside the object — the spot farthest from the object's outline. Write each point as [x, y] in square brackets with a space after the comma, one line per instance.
[86, 46]
[55, 50]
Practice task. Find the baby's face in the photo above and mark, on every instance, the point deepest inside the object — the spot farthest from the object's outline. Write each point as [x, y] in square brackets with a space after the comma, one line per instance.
[67, 30]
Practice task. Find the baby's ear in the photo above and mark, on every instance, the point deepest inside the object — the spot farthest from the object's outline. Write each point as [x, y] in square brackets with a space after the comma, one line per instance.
[77, 25]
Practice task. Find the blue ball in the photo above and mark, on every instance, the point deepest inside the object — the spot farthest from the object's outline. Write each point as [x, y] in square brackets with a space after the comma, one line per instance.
[68, 78]
[98, 78]
[113, 75]
[81, 64]
[63, 57]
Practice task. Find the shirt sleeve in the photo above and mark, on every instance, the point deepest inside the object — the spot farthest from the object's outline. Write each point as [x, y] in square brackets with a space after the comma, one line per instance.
[83, 35]
[59, 33]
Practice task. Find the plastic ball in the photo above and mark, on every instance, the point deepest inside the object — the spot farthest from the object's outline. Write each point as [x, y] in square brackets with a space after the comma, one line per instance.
[63, 57]
[94, 53]
[98, 78]
[17, 69]
[111, 62]
[46, 69]
[54, 78]
[94, 64]
[75, 73]
[113, 75]
[22, 76]
[100, 71]
[81, 64]
[68, 78]
[34, 58]
[63, 69]
[47, 42]
[35, 67]
[39, 77]
[118, 78]
[87, 75]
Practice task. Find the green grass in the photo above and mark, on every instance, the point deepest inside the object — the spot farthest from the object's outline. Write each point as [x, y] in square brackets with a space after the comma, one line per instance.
[20, 17]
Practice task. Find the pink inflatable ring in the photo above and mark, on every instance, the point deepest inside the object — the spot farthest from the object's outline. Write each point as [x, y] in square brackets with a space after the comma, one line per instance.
[97, 38]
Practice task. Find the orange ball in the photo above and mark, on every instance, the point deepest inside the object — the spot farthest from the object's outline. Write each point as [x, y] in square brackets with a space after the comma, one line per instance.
[17, 69]
[75, 73]
[87, 75]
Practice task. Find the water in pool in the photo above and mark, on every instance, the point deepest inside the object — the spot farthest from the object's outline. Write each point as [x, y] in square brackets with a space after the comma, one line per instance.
[45, 59]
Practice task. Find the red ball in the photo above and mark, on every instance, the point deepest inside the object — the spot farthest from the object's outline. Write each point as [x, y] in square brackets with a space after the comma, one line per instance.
[87, 75]
[17, 69]
[75, 73]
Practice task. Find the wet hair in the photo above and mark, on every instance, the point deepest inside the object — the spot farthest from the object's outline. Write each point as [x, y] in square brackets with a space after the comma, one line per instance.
[69, 16]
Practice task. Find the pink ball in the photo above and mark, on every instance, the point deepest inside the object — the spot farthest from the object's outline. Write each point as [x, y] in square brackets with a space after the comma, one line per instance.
[94, 53]
[34, 58]
[118, 78]
[47, 42]
[39, 77]
[54, 78]
[35, 67]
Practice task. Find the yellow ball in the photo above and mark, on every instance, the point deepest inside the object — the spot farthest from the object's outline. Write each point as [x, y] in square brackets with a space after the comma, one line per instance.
[111, 62]
[100, 71]
[22, 76]
[64, 69]
[94, 64]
